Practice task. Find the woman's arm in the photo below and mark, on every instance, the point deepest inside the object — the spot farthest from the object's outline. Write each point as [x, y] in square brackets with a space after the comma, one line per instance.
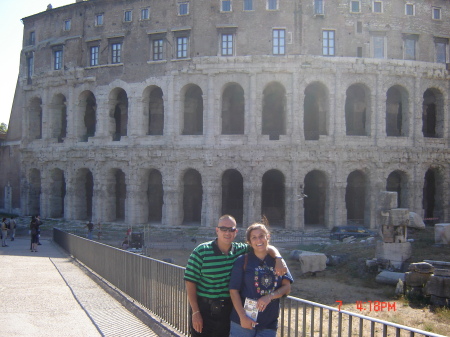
[280, 264]
[264, 301]
[246, 322]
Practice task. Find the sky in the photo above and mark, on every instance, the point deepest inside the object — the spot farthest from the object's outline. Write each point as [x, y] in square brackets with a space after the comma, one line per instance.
[11, 13]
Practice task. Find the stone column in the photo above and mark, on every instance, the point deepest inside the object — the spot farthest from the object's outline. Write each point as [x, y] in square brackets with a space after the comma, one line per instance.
[71, 116]
[171, 114]
[210, 202]
[173, 202]
[8, 198]
[103, 123]
[340, 208]
[135, 199]
[45, 117]
[136, 125]
[339, 106]
[298, 98]
[251, 111]
[209, 114]
[45, 193]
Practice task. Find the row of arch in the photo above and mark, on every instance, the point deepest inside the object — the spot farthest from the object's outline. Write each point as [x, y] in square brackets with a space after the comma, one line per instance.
[317, 108]
[151, 195]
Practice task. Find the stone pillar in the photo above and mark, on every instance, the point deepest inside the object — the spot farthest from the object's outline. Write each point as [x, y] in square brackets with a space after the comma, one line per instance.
[45, 117]
[135, 199]
[45, 193]
[210, 121]
[136, 125]
[251, 111]
[379, 113]
[339, 106]
[72, 116]
[416, 188]
[173, 202]
[298, 101]
[8, 198]
[103, 123]
[340, 208]
[292, 218]
[210, 202]
[252, 199]
[171, 113]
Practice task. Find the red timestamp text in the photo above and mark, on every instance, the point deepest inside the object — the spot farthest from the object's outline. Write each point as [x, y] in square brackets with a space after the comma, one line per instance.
[376, 306]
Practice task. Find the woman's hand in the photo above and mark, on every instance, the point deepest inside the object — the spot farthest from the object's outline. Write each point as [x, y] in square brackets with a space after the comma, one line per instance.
[280, 267]
[263, 302]
[247, 322]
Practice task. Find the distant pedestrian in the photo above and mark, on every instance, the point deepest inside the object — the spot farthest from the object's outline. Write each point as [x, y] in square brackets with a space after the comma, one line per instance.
[38, 225]
[90, 227]
[34, 233]
[4, 232]
[12, 228]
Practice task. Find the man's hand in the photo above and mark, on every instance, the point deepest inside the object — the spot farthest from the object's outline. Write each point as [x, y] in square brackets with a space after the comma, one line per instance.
[197, 321]
[280, 267]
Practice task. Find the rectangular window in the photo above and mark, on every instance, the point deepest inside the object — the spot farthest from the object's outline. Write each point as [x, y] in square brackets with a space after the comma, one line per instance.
[378, 47]
[441, 52]
[182, 45]
[279, 41]
[355, 6]
[225, 6]
[57, 54]
[30, 66]
[99, 20]
[93, 59]
[410, 49]
[227, 44]
[248, 5]
[145, 14]
[409, 9]
[158, 50]
[359, 52]
[272, 5]
[67, 25]
[32, 38]
[377, 7]
[328, 47]
[318, 7]
[127, 16]
[183, 8]
[116, 53]
[436, 13]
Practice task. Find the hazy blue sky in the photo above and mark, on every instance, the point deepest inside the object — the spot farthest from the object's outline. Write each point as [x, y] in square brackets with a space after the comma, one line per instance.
[12, 11]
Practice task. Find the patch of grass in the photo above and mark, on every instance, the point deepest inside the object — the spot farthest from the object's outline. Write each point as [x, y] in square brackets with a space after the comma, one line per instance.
[443, 314]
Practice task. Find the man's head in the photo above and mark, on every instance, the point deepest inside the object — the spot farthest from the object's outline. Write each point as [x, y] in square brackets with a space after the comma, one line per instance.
[226, 229]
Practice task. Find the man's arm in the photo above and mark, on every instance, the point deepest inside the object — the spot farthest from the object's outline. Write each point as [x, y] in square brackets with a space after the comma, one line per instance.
[280, 264]
[197, 320]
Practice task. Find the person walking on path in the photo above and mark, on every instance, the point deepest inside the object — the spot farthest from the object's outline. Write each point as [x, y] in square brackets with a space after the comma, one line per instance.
[90, 227]
[4, 232]
[207, 277]
[12, 228]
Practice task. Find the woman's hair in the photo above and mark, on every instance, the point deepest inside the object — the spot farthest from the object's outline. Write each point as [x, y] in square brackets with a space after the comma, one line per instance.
[252, 227]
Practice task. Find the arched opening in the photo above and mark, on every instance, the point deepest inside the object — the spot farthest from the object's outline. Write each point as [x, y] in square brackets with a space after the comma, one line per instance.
[119, 102]
[432, 114]
[120, 194]
[193, 111]
[315, 201]
[57, 193]
[433, 191]
[34, 192]
[84, 191]
[357, 115]
[156, 112]
[316, 111]
[155, 195]
[35, 119]
[192, 197]
[58, 115]
[273, 197]
[274, 111]
[396, 112]
[233, 194]
[355, 198]
[88, 110]
[397, 182]
[233, 110]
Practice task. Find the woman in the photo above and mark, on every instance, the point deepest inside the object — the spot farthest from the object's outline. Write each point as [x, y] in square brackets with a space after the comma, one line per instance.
[34, 233]
[253, 278]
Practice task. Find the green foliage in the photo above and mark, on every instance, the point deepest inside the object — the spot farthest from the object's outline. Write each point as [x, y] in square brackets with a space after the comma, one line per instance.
[3, 128]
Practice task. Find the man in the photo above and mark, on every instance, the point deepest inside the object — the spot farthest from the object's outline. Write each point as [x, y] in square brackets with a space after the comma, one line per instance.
[4, 232]
[207, 277]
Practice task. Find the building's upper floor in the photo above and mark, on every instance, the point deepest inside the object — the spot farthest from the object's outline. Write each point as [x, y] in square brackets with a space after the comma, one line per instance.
[143, 38]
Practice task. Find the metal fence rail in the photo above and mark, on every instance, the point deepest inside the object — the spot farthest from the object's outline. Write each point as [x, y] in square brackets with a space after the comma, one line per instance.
[160, 288]
[309, 319]
[156, 285]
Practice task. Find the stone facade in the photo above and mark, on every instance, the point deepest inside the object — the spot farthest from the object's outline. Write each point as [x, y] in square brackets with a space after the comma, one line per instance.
[174, 112]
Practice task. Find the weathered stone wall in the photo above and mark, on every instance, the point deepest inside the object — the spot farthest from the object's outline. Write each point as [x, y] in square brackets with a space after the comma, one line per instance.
[78, 177]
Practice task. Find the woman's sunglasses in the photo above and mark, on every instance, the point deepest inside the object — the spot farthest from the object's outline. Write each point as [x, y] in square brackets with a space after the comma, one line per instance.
[227, 229]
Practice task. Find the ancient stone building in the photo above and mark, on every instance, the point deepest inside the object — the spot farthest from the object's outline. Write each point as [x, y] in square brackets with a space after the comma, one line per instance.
[176, 111]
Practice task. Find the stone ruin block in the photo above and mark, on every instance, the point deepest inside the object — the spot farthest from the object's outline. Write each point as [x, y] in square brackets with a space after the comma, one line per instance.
[418, 274]
[399, 217]
[438, 286]
[387, 200]
[442, 233]
[310, 261]
[396, 253]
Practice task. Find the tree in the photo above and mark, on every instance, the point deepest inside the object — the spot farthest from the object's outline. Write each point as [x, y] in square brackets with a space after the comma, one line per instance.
[3, 128]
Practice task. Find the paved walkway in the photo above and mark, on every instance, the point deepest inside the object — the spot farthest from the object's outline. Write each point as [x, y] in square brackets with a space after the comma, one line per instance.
[46, 293]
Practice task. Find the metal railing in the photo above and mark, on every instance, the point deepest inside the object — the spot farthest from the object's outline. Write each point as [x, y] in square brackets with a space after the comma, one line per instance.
[159, 287]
